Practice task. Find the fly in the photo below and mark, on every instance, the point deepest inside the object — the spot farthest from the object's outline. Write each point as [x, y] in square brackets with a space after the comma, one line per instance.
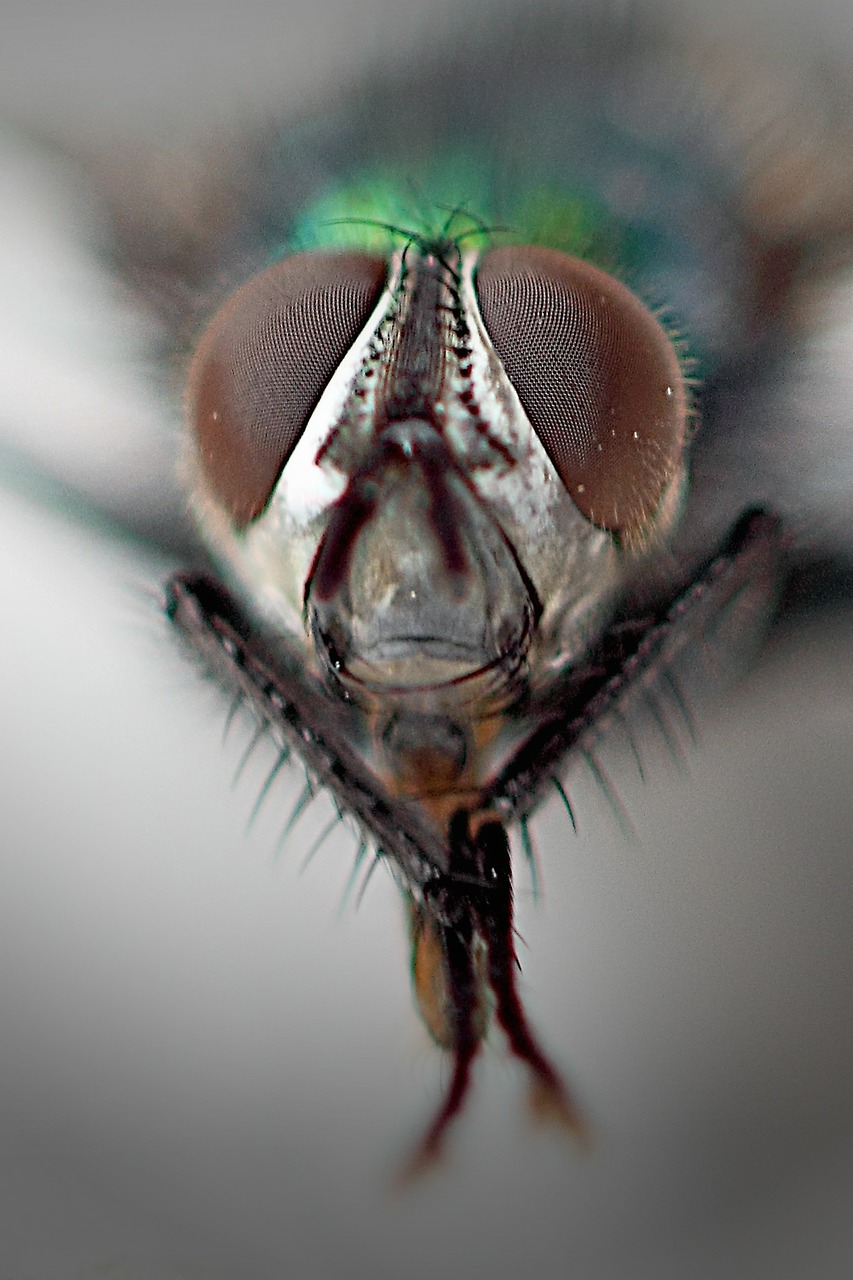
[456, 599]
[464, 441]
[433, 461]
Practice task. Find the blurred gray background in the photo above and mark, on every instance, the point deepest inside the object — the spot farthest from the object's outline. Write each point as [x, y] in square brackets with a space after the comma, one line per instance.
[209, 1066]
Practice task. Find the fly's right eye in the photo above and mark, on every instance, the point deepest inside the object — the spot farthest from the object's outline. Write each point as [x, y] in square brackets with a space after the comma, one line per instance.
[263, 363]
[598, 377]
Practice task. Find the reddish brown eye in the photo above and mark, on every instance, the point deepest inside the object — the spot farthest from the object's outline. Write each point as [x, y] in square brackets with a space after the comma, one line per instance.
[263, 363]
[597, 376]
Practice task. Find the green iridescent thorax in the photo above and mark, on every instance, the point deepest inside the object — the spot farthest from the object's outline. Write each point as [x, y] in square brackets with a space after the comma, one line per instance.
[381, 208]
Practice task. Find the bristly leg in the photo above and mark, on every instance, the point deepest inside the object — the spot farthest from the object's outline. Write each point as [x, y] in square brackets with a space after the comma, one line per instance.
[475, 905]
[629, 665]
[548, 1094]
[463, 1000]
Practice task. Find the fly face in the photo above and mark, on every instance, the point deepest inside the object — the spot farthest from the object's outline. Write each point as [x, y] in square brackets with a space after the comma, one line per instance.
[439, 459]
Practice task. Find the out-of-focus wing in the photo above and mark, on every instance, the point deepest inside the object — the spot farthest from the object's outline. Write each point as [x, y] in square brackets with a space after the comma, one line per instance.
[89, 417]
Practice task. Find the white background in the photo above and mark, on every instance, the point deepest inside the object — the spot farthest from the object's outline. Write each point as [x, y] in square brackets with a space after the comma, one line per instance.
[209, 1067]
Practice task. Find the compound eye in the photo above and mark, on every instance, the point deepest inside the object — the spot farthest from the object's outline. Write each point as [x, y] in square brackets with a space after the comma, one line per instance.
[597, 376]
[263, 363]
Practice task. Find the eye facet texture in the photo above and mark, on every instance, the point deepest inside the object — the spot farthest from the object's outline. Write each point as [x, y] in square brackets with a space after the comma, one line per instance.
[597, 376]
[263, 363]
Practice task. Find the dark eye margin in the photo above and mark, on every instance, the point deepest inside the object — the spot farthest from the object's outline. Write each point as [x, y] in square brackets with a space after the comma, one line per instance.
[264, 361]
[598, 377]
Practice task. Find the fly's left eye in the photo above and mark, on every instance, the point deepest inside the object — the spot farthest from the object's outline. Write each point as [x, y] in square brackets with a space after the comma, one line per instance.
[263, 363]
[597, 376]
